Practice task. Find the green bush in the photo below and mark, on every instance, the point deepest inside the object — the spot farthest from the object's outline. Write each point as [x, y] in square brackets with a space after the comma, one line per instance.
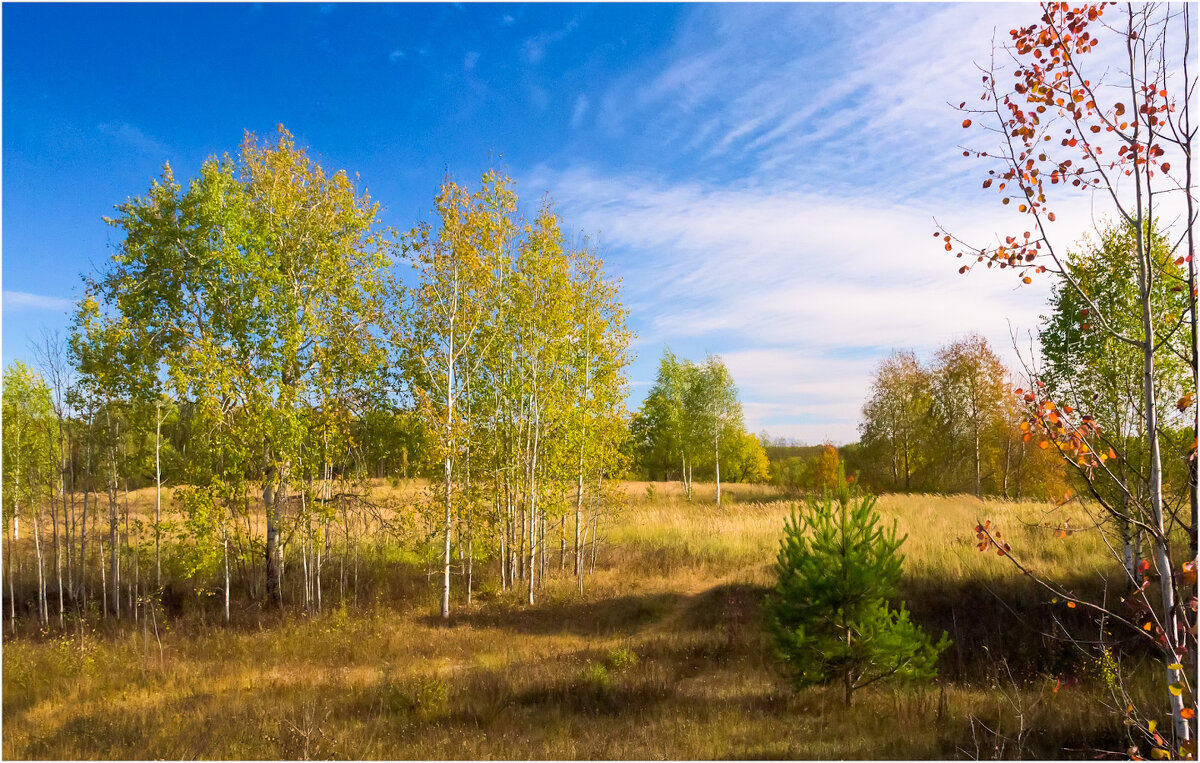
[424, 697]
[620, 658]
[596, 677]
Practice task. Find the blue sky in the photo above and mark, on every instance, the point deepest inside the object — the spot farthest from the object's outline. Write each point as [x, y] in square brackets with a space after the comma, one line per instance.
[763, 178]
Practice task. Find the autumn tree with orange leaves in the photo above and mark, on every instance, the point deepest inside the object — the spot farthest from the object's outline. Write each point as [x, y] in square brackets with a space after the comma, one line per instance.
[1094, 100]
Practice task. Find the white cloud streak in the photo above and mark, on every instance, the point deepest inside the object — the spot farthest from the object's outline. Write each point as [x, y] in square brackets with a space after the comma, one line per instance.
[534, 48]
[133, 137]
[20, 301]
[580, 111]
[801, 294]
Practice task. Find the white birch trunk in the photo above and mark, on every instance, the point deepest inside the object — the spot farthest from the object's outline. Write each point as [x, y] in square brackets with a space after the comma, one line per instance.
[12, 596]
[43, 614]
[157, 497]
[448, 474]
[225, 557]
[717, 461]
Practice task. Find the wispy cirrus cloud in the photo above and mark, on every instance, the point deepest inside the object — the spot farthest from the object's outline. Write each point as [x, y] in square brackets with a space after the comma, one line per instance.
[580, 111]
[20, 301]
[836, 96]
[133, 137]
[533, 49]
[802, 294]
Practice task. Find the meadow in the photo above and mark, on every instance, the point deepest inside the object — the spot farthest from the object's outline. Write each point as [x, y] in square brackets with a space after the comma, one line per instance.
[661, 656]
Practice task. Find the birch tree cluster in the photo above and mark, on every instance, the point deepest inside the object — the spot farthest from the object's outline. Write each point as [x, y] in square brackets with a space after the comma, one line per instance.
[692, 420]
[513, 344]
[951, 426]
[260, 344]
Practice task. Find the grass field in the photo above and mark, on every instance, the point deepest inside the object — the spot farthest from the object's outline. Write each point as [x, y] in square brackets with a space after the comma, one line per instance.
[661, 657]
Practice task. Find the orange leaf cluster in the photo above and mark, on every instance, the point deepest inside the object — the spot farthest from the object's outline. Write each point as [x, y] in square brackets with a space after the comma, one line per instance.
[1052, 100]
[1076, 438]
[990, 538]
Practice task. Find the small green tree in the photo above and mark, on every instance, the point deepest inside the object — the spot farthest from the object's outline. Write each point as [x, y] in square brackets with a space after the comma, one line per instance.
[830, 616]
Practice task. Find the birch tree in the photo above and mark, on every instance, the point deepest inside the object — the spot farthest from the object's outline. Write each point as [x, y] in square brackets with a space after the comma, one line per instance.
[444, 313]
[28, 465]
[600, 357]
[256, 284]
[1093, 370]
[661, 429]
[969, 389]
[718, 412]
[541, 325]
[106, 351]
[51, 354]
[689, 412]
[896, 412]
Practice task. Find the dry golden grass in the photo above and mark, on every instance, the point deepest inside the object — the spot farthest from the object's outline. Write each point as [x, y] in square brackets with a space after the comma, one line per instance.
[662, 657]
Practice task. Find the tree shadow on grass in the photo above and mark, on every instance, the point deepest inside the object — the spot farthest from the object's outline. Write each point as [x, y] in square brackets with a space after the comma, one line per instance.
[1012, 618]
[622, 615]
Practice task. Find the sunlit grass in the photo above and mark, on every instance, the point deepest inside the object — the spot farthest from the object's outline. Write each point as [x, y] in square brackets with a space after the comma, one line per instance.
[661, 657]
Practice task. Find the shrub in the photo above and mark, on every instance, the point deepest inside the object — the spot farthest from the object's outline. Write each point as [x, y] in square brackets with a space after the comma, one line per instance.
[621, 658]
[596, 677]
